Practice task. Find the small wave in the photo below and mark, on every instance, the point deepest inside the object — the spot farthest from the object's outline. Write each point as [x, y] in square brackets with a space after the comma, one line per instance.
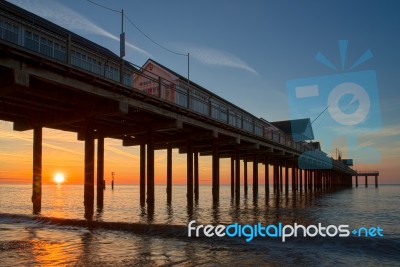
[136, 228]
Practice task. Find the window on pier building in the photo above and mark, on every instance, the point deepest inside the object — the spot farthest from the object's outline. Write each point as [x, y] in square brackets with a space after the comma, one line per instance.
[9, 32]
[60, 52]
[198, 102]
[112, 73]
[128, 79]
[181, 95]
[31, 41]
[46, 47]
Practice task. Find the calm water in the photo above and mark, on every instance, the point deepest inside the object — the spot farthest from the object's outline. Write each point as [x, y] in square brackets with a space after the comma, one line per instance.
[26, 240]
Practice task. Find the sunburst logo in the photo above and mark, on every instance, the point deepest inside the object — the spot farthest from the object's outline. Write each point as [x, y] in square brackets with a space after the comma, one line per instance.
[343, 105]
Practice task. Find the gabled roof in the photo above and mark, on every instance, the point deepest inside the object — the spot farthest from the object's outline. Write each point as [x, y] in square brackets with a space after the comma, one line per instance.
[185, 80]
[299, 129]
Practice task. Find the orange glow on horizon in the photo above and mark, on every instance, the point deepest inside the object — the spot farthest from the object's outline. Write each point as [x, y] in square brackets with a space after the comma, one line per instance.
[61, 151]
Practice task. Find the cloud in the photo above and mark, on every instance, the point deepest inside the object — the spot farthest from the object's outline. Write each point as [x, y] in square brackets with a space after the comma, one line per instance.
[211, 56]
[24, 137]
[385, 132]
[121, 152]
[68, 18]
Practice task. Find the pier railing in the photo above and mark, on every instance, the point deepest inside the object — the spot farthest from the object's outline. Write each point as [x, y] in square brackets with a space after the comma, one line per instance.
[58, 44]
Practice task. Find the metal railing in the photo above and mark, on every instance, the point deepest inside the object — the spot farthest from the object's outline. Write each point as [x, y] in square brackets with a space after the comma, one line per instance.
[189, 97]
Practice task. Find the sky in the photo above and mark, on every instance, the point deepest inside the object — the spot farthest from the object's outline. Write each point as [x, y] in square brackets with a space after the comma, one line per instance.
[252, 53]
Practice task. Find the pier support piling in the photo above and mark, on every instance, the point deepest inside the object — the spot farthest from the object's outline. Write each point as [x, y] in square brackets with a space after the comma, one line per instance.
[169, 174]
[237, 173]
[280, 176]
[142, 184]
[196, 176]
[100, 173]
[215, 174]
[232, 177]
[255, 175]
[37, 170]
[286, 177]
[245, 176]
[189, 158]
[150, 170]
[294, 178]
[266, 185]
[89, 175]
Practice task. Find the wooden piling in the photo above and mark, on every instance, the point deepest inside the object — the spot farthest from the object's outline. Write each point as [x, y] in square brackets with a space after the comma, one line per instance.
[37, 170]
[196, 175]
[169, 174]
[245, 176]
[142, 174]
[150, 170]
[255, 175]
[237, 173]
[215, 174]
[89, 175]
[189, 159]
[286, 176]
[232, 176]
[100, 173]
[266, 185]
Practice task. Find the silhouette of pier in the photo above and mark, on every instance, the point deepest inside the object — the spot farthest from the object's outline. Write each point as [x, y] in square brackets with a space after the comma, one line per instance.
[366, 174]
[53, 78]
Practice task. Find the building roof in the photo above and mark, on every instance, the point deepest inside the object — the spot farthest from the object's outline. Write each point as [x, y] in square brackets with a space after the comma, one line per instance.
[299, 129]
[186, 81]
[53, 28]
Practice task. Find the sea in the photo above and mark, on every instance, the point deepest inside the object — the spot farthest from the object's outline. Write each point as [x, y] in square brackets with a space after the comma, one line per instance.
[124, 234]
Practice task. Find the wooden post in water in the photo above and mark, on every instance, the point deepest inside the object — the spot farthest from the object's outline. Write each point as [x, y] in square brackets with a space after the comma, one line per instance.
[301, 179]
[215, 174]
[286, 177]
[276, 176]
[150, 170]
[37, 170]
[189, 159]
[142, 184]
[280, 176]
[89, 175]
[196, 176]
[376, 180]
[237, 173]
[266, 185]
[255, 175]
[245, 176]
[294, 177]
[169, 174]
[232, 177]
[366, 180]
[100, 173]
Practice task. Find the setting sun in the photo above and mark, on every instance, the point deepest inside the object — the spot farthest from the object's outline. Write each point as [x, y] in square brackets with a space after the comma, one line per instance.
[59, 178]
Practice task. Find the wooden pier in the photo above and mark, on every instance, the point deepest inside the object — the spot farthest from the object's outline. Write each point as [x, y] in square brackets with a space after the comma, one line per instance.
[47, 81]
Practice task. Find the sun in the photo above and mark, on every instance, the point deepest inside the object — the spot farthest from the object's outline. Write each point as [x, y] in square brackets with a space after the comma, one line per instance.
[59, 178]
